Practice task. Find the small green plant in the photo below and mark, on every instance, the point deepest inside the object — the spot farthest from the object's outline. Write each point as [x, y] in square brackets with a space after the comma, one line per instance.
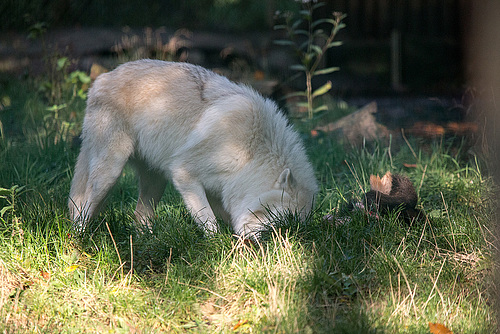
[61, 85]
[9, 195]
[62, 88]
[310, 42]
[55, 79]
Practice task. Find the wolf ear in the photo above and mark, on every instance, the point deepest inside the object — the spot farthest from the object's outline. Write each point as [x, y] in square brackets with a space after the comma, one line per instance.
[285, 179]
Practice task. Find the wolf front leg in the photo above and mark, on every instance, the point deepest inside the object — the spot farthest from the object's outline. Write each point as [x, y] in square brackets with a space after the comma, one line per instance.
[194, 196]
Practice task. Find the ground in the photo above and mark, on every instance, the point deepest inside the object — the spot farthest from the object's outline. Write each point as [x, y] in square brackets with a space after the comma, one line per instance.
[363, 275]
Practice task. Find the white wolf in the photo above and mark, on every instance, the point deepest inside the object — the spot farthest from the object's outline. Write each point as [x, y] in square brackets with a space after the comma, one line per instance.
[228, 151]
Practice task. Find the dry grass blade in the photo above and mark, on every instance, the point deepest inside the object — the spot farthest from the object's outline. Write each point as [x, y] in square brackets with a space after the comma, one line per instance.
[434, 286]
[449, 220]
[117, 252]
[355, 174]
[412, 293]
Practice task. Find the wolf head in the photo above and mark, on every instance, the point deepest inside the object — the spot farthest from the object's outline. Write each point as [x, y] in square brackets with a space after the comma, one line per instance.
[287, 196]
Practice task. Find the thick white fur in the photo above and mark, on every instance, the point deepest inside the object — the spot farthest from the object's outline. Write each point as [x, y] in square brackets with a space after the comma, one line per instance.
[228, 151]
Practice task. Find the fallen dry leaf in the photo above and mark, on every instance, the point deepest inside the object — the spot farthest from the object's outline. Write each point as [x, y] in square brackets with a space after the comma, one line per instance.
[462, 129]
[439, 328]
[427, 129]
[259, 75]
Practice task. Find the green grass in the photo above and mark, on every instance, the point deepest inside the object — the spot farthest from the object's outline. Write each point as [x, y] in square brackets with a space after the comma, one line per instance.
[365, 276]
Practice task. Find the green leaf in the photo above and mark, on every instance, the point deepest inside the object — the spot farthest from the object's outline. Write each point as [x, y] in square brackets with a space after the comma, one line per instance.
[5, 191]
[5, 209]
[320, 34]
[323, 89]
[305, 12]
[308, 57]
[323, 107]
[318, 5]
[317, 50]
[296, 24]
[302, 104]
[82, 94]
[16, 188]
[326, 70]
[336, 43]
[279, 26]
[61, 63]
[284, 42]
[301, 32]
[321, 21]
[80, 76]
[298, 67]
[337, 28]
[56, 107]
[304, 45]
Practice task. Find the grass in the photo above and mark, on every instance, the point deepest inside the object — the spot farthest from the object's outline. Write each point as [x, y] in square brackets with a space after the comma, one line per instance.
[365, 276]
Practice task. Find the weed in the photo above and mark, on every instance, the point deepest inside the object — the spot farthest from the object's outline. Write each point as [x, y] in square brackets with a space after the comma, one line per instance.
[311, 51]
[64, 90]
[9, 195]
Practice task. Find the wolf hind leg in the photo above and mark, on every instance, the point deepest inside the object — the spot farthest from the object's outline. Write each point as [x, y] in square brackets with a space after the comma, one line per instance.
[152, 185]
[78, 192]
[98, 167]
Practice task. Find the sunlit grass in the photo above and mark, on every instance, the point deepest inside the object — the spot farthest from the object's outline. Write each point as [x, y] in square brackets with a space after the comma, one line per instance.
[360, 276]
